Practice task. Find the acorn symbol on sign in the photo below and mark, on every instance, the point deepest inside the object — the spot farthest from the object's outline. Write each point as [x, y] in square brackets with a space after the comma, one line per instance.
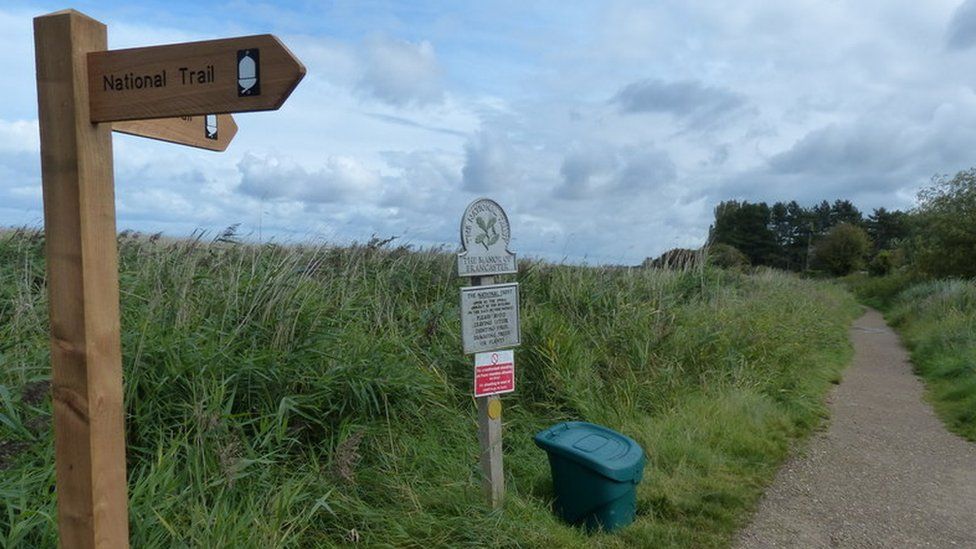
[248, 73]
[210, 123]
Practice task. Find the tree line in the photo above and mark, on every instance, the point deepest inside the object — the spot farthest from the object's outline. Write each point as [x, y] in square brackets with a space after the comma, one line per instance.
[936, 238]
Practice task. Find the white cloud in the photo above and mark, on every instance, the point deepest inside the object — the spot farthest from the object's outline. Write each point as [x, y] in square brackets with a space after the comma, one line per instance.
[490, 163]
[684, 99]
[340, 180]
[401, 73]
[595, 172]
[19, 136]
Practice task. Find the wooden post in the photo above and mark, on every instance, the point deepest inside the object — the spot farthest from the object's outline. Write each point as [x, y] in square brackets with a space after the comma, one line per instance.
[490, 435]
[83, 287]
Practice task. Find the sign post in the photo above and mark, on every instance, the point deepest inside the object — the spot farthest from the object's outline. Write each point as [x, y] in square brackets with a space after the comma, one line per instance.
[79, 87]
[489, 322]
[83, 287]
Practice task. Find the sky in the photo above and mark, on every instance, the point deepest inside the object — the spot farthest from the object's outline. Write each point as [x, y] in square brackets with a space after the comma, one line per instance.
[607, 130]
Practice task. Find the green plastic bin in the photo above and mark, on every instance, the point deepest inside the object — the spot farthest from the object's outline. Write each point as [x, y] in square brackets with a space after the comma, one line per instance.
[595, 472]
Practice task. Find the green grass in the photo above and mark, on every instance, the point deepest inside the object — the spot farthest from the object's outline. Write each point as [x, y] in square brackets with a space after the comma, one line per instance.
[880, 292]
[937, 320]
[317, 396]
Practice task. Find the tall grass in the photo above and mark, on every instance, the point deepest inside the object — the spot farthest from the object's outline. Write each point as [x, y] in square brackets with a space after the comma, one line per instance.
[880, 292]
[317, 396]
[937, 320]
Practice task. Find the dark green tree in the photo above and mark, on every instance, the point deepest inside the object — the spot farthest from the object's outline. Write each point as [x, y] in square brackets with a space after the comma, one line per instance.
[887, 228]
[779, 223]
[820, 218]
[791, 223]
[843, 249]
[746, 227]
[843, 211]
[945, 244]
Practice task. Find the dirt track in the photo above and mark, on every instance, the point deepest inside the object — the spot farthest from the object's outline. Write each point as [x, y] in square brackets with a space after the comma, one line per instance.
[886, 473]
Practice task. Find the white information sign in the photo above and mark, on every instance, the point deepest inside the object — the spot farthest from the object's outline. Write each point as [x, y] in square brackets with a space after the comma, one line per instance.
[490, 317]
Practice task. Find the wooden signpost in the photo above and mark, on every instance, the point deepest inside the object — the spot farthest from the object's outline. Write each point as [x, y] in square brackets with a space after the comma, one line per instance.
[489, 322]
[79, 85]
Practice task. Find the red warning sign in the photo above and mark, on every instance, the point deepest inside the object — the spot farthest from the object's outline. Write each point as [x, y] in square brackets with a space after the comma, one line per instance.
[494, 373]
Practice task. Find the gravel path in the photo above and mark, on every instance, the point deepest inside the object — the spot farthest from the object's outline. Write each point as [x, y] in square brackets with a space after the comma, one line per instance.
[886, 473]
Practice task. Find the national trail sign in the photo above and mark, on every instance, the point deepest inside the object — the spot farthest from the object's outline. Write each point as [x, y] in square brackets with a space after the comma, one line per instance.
[185, 89]
[248, 73]
[212, 132]
[485, 235]
[494, 373]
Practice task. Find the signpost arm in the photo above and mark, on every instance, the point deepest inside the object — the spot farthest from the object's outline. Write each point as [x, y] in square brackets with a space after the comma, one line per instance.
[490, 435]
[82, 280]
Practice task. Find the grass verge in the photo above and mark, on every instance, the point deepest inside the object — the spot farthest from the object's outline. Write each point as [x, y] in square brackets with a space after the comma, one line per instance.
[316, 396]
[937, 321]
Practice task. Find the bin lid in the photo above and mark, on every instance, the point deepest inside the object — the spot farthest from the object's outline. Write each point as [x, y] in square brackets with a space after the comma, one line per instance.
[605, 451]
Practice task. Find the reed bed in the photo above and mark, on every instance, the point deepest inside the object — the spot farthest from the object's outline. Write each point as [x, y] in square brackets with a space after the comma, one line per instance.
[316, 396]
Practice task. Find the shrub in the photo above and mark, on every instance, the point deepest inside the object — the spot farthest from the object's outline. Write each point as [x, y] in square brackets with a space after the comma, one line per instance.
[726, 257]
[675, 258]
[885, 262]
[946, 226]
[843, 249]
[880, 291]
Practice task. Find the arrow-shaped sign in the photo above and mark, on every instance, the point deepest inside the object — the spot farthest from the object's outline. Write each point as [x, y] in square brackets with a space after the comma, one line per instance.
[250, 73]
[213, 132]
